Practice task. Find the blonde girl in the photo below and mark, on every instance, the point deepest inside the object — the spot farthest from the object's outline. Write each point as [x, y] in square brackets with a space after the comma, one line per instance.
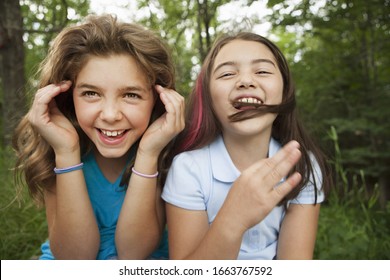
[89, 147]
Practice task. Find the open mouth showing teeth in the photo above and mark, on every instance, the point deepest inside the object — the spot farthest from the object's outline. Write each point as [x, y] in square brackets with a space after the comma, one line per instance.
[247, 103]
[112, 133]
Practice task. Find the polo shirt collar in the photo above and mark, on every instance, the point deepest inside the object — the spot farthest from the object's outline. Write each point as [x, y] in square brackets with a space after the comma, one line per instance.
[222, 165]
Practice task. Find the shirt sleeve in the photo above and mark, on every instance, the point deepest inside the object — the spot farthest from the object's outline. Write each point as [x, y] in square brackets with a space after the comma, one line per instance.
[183, 186]
[307, 194]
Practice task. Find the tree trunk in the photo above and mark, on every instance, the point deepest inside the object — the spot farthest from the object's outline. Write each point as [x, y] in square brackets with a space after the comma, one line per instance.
[13, 103]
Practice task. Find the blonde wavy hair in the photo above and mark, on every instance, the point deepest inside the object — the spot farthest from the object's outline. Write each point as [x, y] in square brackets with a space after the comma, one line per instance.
[97, 36]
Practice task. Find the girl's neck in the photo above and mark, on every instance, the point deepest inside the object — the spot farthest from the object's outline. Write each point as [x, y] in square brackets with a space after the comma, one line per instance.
[244, 151]
[111, 167]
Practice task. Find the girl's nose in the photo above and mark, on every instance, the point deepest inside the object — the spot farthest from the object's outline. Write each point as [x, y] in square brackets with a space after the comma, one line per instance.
[110, 112]
[245, 81]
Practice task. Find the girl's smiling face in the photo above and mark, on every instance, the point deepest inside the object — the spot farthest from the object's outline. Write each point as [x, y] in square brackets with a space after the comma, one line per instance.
[244, 75]
[113, 101]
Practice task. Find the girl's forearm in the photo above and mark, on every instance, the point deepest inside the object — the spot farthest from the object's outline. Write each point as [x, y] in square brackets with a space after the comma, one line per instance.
[140, 222]
[221, 242]
[74, 233]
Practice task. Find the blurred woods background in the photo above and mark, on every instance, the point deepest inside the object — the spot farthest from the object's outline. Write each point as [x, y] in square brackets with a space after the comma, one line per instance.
[339, 52]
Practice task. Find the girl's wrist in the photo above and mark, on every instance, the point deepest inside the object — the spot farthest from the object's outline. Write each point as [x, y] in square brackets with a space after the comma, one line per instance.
[67, 159]
[69, 168]
[143, 175]
[145, 163]
[232, 220]
[67, 150]
[149, 149]
[230, 229]
[72, 147]
[151, 156]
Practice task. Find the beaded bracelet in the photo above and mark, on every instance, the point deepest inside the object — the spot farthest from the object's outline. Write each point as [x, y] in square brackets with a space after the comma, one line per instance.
[68, 169]
[144, 175]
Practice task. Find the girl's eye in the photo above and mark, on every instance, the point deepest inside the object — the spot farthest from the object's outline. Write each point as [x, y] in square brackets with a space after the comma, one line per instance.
[132, 95]
[89, 94]
[262, 72]
[225, 75]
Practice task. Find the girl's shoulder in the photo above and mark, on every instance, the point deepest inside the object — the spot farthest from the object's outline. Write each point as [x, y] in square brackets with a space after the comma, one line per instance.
[199, 153]
[199, 157]
[202, 156]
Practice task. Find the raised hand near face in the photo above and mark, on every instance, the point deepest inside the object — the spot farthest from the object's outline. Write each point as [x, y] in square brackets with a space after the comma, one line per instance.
[165, 128]
[48, 120]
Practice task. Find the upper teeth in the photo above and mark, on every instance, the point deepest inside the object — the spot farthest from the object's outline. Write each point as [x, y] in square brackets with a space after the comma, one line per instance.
[250, 100]
[112, 133]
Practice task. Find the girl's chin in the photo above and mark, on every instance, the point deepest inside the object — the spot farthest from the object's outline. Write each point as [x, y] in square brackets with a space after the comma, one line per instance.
[113, 153]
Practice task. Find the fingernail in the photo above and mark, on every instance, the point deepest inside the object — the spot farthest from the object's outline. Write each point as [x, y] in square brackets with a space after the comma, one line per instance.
[295, 143]
[65, 82]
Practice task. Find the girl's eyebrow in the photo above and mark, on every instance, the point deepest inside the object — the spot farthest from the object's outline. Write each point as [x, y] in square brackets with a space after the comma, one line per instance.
[260, 60]
[85, 85]
[232, 63]
[126, 88]
[227, 63]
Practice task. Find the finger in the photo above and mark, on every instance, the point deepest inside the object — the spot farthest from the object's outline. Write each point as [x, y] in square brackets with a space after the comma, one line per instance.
[280, 191]
[174, 105]
[283, 167]
[65, 85]
[171, 96]
[40, 105]
[43, 100]
[179, 103]
[281, 155]
[48, 92]
[180, 108]
[286, 150]
[170, 115]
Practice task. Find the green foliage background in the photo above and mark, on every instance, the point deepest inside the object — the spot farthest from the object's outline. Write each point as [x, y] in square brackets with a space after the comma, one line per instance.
[338, 53]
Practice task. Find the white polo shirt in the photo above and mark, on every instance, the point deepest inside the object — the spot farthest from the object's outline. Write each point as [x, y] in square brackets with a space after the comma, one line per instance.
[201, 180]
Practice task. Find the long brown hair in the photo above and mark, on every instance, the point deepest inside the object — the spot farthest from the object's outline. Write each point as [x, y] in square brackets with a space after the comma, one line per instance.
[97, 36]
[203, 126]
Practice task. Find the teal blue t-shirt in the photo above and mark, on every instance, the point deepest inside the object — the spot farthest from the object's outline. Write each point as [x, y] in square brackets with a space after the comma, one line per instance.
[107, 199]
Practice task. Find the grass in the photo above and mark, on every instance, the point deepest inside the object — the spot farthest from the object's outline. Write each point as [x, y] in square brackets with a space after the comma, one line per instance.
[23, 226]
[351, 226]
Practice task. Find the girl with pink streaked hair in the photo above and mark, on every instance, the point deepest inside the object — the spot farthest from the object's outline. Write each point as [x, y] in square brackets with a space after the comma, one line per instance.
[246, 180]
